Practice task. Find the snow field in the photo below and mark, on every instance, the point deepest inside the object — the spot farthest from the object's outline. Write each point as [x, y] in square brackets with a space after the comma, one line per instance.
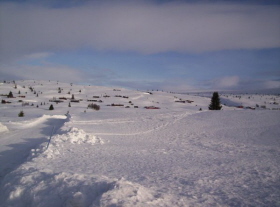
[174, 156]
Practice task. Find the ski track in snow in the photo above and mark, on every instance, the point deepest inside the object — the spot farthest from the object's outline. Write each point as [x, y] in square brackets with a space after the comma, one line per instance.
[122, 121]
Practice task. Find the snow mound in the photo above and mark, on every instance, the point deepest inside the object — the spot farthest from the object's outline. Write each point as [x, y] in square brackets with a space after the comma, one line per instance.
[77, 136]
[3, 128]
[60, 142]
[30, 187]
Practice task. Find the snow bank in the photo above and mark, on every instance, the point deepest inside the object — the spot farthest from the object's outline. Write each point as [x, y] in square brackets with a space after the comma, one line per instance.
[34, 122]
[3, 128]
[77, 136]
[29, 187]
[59, 142]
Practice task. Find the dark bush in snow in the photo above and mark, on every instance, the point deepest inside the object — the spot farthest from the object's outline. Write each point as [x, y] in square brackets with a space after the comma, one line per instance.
[94, 106]
[21, 114]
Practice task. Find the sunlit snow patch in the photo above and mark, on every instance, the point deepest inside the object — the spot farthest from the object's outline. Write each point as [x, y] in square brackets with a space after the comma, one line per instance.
[3, 128]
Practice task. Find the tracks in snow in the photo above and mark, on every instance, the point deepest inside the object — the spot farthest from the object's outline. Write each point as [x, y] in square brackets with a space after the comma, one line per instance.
[167, 119]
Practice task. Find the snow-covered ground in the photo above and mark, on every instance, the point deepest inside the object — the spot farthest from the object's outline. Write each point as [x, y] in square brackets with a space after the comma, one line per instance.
[177, 155]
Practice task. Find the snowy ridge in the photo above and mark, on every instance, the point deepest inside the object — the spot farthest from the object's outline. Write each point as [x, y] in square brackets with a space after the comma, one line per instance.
[35, 121]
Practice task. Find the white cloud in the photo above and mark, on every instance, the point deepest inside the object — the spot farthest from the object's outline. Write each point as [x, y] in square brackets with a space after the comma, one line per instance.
[64, 73]
[227, 82]
[40, 55]
[142, 27]
[242, 84]
[169, 84]
[271, 84]
[46, 72]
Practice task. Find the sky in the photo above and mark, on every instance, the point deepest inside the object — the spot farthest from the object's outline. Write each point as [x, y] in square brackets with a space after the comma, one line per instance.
[177, 45]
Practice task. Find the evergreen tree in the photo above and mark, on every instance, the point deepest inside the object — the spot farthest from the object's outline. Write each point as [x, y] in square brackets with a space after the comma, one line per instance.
[51, 107]
[10, 95]
[69, 105]
[215, 102]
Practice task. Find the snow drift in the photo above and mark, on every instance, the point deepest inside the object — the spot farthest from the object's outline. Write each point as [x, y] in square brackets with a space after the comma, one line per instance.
[33, 188]
[3, 128]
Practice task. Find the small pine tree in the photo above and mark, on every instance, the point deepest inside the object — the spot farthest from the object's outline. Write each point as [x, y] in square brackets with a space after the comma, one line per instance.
[10, 95]
[73, 96]
[215, 102]
[69, 105]
[18, 92]
[51, 107]
[21, 114]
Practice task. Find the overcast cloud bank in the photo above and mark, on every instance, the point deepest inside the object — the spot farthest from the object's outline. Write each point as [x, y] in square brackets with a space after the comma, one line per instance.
[142, 27]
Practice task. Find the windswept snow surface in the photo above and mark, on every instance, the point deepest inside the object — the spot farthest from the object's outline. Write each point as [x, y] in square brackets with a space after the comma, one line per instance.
[117, 156]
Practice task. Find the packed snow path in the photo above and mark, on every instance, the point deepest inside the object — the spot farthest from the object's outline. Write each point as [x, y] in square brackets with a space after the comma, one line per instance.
[17, 142]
